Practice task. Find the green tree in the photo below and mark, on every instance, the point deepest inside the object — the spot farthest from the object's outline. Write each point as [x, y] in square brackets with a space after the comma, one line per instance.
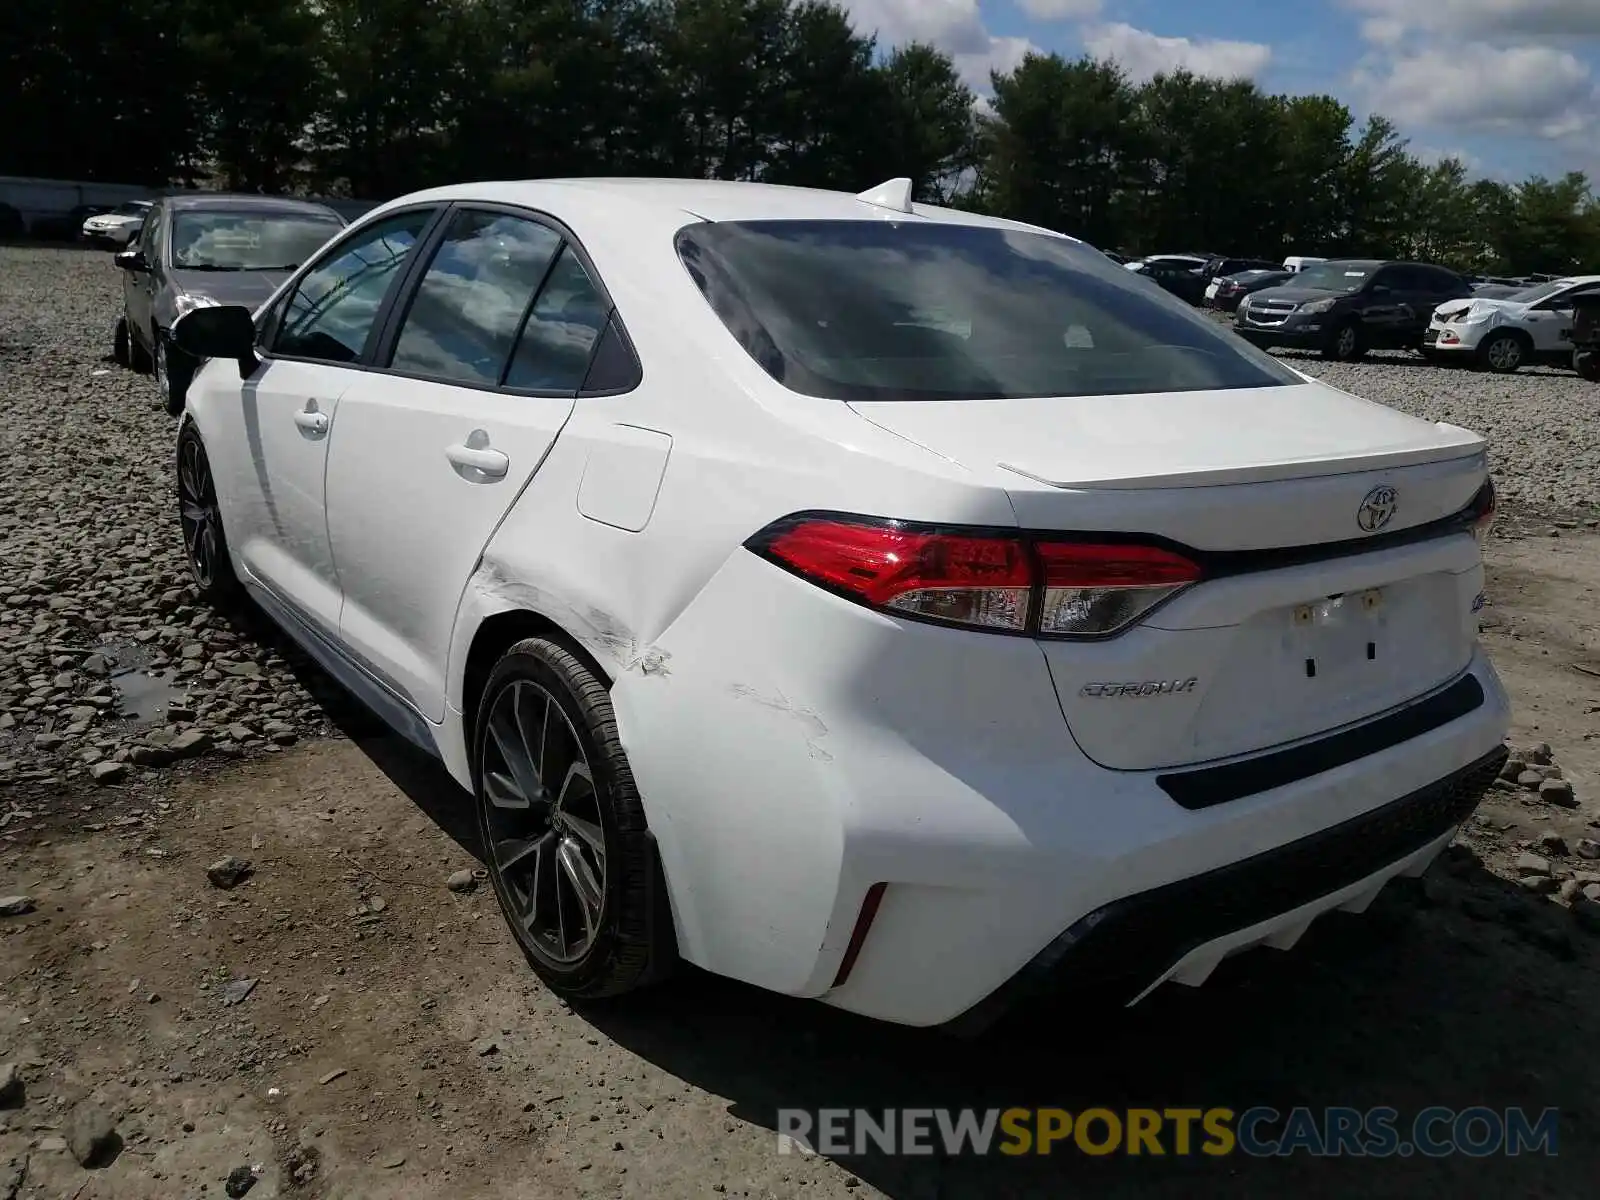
[387, 71]
[1064, 144]
[931, 126]
[97, 90]
[255, 74]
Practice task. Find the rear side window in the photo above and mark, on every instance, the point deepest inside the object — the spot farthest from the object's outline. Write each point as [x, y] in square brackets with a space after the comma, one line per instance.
[881, 310]
[332, 311]
[567, 320]
[465, 316]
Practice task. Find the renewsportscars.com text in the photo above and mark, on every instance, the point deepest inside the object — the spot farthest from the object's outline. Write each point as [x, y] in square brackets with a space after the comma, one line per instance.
[1259, 1132]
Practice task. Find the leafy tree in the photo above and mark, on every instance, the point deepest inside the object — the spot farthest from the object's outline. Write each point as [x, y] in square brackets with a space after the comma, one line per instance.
[1065, 142]
[931, 123]
[255, 71]
[378, 97]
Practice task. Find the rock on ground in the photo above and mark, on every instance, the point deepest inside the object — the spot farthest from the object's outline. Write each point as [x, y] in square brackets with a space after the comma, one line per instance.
[91, 1136]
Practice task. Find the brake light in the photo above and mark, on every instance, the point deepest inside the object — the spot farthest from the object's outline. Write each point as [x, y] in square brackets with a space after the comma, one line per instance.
[1009, 584]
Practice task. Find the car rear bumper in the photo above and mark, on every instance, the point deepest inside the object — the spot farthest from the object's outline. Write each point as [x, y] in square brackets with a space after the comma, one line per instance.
[786, 777]
[1180, 932]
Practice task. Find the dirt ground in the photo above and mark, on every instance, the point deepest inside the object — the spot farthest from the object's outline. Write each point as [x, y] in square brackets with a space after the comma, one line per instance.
[361, 1061]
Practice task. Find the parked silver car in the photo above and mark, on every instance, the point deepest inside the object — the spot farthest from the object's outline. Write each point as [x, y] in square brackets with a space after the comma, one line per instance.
[196, 250]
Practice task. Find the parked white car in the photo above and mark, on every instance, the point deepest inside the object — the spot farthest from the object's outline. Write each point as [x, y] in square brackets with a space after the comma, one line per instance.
[1191, 262]
[117, 227]
[872, 602]
[1296, 263]
[1504, 334]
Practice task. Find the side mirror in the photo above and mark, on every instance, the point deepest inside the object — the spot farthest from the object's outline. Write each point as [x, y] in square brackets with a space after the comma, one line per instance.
[131, 260]
[219, 331]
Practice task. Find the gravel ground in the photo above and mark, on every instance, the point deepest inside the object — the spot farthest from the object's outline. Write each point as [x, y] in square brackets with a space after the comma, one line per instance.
[108, 668]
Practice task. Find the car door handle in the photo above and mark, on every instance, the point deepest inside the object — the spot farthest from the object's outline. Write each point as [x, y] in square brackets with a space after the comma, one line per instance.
[479, 458]
[312, 421]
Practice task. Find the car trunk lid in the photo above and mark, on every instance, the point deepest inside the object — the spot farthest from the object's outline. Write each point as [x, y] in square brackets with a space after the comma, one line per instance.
[1324, 599]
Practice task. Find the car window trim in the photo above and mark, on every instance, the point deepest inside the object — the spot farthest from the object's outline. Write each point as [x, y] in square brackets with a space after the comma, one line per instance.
[270, 324]
[382, 350]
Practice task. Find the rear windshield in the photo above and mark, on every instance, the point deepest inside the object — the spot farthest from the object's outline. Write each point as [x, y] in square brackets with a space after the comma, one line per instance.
[885, 310]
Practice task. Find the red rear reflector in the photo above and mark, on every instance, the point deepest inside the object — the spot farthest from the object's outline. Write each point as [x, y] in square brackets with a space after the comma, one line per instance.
[858, 935]
[1010, 584]
[1091, 565]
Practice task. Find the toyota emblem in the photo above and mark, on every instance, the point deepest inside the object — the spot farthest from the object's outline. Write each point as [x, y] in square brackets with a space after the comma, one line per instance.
[1377, 509]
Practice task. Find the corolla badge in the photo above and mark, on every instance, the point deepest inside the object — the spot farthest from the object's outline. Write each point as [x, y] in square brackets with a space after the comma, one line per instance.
[1377, 509]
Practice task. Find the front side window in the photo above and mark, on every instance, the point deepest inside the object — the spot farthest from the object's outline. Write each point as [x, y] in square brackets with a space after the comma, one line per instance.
[147, 235]
[880, 310]
[242, 240]
[464, 318]
[333, 308]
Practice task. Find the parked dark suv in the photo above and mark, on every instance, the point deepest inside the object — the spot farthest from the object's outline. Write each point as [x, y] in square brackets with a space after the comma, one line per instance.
[1345, 308]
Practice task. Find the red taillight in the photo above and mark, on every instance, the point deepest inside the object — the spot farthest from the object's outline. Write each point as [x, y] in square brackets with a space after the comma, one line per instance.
[982, 581]
[956, 578]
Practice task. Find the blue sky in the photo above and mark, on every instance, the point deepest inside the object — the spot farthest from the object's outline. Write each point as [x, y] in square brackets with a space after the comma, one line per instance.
[1512, 87]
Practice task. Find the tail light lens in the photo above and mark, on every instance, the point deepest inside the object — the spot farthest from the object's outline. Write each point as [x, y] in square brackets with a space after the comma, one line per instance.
[1091, 590]
[954, 578]
[978, 581]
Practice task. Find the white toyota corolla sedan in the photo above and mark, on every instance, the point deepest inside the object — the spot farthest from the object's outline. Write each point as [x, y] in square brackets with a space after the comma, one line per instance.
[872, 602]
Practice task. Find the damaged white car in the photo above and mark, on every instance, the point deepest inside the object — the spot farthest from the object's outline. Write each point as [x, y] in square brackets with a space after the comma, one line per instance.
[1523, 329]
[872, 602]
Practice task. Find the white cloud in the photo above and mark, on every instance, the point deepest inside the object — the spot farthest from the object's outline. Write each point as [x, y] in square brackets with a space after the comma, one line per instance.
[1528, 89]
[1524, 18]
[1383, 31]
[1061, 10]
[1143, 54]
[954, 26]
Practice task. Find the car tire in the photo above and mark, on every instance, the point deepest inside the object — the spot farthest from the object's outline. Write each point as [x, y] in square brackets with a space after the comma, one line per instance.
[563, 830]
[121, 344]
[1503, 353]
[1587, 364]
[1347, 343]
[205, 545]
[172, 370]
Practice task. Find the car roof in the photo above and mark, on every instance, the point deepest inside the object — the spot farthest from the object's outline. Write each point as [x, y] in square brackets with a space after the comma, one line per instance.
[222, 201]
[703, 199]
